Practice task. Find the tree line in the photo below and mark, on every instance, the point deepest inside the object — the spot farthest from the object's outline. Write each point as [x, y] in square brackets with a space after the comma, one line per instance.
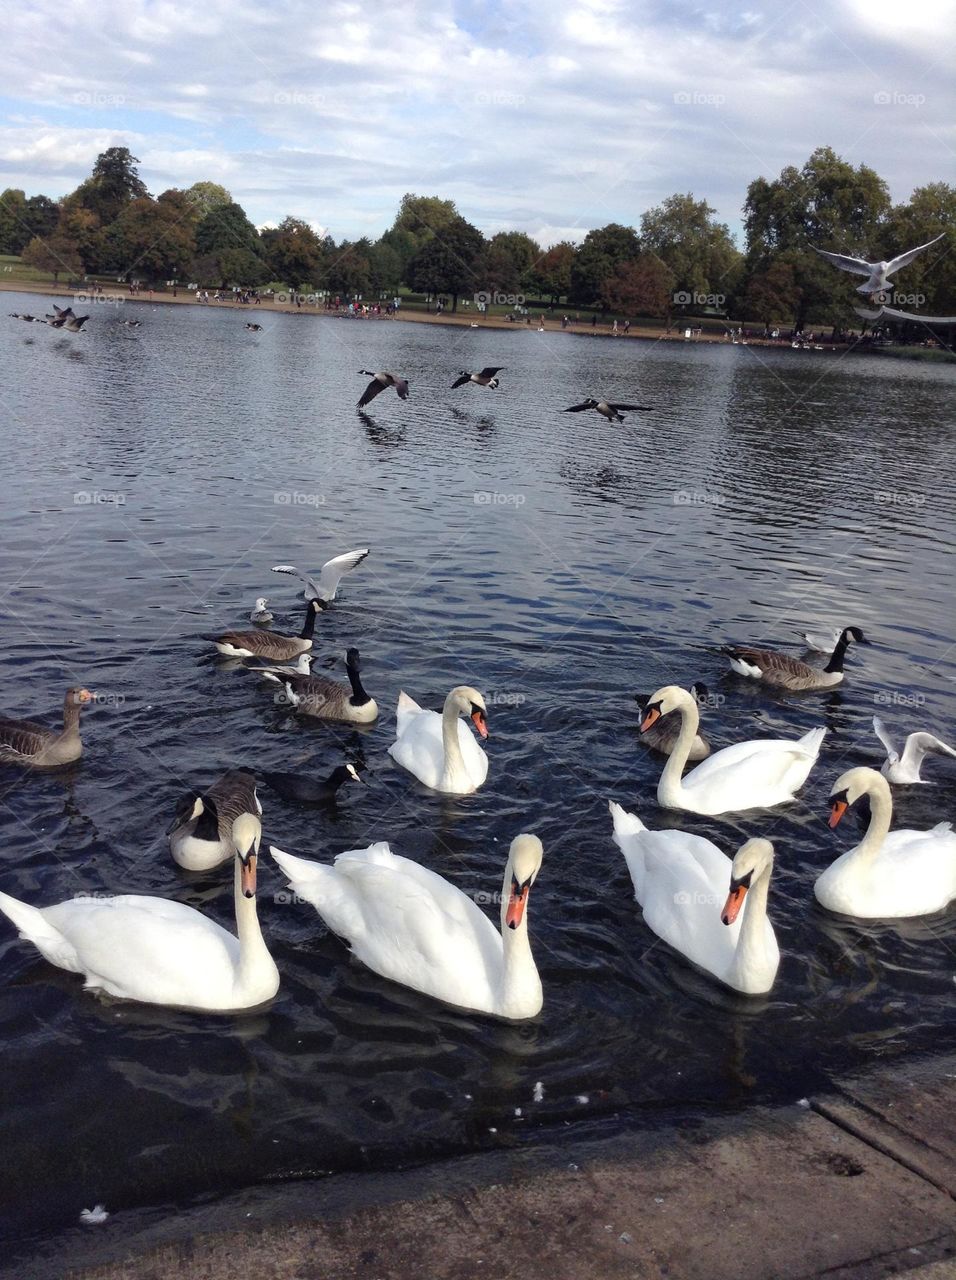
[679, 260]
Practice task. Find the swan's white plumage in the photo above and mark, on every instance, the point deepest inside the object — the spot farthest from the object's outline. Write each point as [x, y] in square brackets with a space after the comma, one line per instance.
[410, 925]
[420, 745]
[681, 881]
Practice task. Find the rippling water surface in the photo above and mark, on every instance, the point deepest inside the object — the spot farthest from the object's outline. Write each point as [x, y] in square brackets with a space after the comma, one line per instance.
[557, 562]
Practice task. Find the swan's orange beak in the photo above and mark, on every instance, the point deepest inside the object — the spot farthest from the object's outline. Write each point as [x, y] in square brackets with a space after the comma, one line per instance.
[652, 716]
[837, 809]
[247, 876]
[516, 904]
[480, 723]
[733, 904]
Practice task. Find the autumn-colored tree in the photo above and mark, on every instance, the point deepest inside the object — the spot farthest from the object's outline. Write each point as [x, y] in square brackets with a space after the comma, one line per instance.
[642, 287]
[56, 253]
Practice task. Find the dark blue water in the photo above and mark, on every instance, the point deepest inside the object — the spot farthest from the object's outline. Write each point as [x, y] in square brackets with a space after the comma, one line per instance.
[558, 563]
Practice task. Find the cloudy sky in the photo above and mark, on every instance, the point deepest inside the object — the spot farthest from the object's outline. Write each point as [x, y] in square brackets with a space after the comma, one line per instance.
[551, 117]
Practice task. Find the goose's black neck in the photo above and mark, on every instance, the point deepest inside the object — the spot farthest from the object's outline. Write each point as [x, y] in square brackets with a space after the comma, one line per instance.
[308, 628]
[839, 652]
[207, 824]
[359, 696]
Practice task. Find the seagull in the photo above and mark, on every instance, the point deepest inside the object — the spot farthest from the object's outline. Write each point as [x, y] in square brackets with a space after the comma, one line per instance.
[877, 273]
[379, 382]
[484, 379]
[255, 328]
[906, 767]
[260, 613]
[330, 575]
[607, 410]
[822, 641]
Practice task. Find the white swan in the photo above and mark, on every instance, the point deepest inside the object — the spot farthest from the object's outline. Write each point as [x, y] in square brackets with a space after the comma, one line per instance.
[889, 874]
[160, 952]
[680, 880]
[905, 768]
[756, 774]
[410, 925]
[438, 749]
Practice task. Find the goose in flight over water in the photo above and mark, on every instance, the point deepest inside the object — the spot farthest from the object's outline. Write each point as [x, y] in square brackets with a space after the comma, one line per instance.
[487, 378]
[330, 575]
[905, 767]
[379, 382]
[607, 410]
[877, 273]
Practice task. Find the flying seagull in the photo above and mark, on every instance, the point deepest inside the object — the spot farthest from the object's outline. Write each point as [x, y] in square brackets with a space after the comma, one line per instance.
[905, 767]
[607, 410]
[877, 273]
[379, 382]
[486, 378]
[330, 575]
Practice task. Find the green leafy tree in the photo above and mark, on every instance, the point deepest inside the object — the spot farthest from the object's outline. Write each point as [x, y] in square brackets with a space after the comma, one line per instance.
[151, 240]
[42, 216]
[113, 184]
[642, 287]
[598, 256]
[348, 270]
[930, 211]
[509, 260]
[293, 251]
[206, 196]
[449, 262]
[56, 253]
[385, 267]
[698, 250]
[772, 295]
[220, 233]
[14, 232]
[417, 220]
[550, 277]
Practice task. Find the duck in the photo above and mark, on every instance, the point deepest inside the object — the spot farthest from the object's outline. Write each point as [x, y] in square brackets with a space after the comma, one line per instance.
[326, 699]
[330, 575]
[260, 612]
[379, 382]
[437, 749]
[680, 879]
[486, 378]
[606, 409]
[253, 328]
[34, 745]
[889, 874]
[663, 734]
[412, 926]
[200, 834]
[267, 644]
[905, 768]
[877, 273]
[156, 951]
[784, 672]
[315, 791]
[757, 774]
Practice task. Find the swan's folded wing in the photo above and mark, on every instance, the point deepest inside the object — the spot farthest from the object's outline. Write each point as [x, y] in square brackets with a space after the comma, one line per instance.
[764, 762]
[879, 728]
[405, 712]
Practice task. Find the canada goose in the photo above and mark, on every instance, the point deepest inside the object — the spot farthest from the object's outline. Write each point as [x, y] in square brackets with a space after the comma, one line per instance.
[253, 328]
[260, 613]
[607, 410]
[663, 734]
[905, 768]
[59, 317]
[877, 273]
[74, 324]
[486, 378]
[34, 745]
[784, 672]
[200, 834]
[327, 699]
[330, 575]
[16, 315]
[303, 790]
[157, 951]
[267, 644]
[379, 382]
[132, 324]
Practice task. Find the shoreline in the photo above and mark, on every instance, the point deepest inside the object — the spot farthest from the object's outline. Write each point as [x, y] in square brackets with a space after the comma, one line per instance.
[854, 1183]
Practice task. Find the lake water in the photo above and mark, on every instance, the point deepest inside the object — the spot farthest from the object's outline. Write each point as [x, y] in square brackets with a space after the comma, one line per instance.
[557, 562]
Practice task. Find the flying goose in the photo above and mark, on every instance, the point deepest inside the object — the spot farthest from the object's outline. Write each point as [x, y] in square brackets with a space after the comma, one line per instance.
[17, 315]
[784, 672]
[260, 613]
[379, 382]
[327, 699]
[267, 644]
[905, 768]
[330, 575]
[34, 745]
[59, 317]
[607, 410]
[158, 951]
[663, 733]
[200, 834]
[877, 273]
[303, 790]
[486, 378]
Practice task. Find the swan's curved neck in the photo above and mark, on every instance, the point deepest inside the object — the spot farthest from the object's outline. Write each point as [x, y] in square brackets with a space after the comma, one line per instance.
[669, 788]
[881, 815]
[520, 983]
[453, 761]
[752, 939]
[254, 955]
